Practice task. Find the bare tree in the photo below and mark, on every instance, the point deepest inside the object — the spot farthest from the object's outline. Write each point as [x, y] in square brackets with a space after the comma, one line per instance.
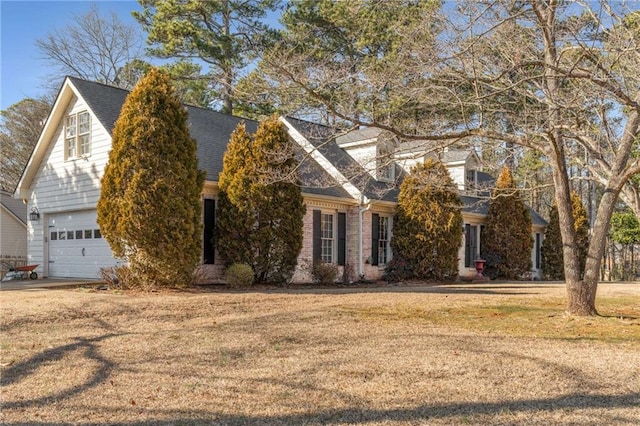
[20, 129]
[562, 75]
[94, 47]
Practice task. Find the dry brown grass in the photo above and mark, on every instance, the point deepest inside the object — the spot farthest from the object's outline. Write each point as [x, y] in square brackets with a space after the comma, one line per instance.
[464, 354]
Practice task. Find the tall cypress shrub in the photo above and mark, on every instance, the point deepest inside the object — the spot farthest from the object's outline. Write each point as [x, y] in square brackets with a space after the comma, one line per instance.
[149, 209]
[507, 232]
[261, 209]
[552, 255]
[427, 230]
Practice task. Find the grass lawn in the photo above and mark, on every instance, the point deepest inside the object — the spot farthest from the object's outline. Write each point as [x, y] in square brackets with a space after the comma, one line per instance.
[502, 353]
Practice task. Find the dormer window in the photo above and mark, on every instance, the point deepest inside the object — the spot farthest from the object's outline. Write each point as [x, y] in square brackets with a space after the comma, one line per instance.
[77, 135]
[472, 181]
[386, 166]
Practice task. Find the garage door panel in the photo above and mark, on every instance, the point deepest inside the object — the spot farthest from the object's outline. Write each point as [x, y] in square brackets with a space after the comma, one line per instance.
[76, 246]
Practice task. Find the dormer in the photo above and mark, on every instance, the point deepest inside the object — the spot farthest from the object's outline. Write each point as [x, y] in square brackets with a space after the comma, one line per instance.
[463, 164]
[373, 150]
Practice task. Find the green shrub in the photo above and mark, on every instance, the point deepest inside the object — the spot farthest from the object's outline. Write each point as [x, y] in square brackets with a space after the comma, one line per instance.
[324, 273]
[398, 269]
[149, 209]
[427, 223]
[239, 275]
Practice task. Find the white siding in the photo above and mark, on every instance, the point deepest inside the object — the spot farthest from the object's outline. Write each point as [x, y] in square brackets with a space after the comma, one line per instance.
[458, 174]
[61, 185]
[365, 155]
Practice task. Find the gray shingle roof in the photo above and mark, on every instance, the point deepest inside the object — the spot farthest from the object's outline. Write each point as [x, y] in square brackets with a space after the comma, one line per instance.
[480, 205]
[323, 139]
[210, 129]
[15, 206]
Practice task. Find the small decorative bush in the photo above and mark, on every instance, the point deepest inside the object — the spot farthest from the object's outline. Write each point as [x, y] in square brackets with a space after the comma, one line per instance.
[239, 275]
[324, 273]
[398, 269]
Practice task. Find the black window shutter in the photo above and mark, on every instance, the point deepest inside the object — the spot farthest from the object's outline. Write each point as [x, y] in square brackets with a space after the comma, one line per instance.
[375, 237]
[317, 236]
[342, 239]
[209, 227]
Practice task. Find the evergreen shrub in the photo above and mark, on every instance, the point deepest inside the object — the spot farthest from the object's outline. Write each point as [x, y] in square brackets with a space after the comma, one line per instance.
[239, 275]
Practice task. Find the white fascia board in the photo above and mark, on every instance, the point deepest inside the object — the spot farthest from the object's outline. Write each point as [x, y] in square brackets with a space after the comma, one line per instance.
[322, 161]
[68, 90]
[362, 142]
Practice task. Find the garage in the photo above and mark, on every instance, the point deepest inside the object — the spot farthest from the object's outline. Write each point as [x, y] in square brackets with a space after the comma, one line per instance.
[76, 246]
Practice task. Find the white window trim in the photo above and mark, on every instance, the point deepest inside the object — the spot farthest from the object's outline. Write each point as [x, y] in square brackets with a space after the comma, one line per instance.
[334, 236]
[387, 241]
[77, 137]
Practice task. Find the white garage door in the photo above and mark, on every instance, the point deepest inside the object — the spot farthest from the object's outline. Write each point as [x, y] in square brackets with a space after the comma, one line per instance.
[76, 247]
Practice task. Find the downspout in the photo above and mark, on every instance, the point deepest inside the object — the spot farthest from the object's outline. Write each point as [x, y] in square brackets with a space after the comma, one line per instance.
[363, 207]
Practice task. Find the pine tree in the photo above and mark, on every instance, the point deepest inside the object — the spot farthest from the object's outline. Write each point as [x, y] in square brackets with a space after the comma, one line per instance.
[552, 256]
[261, 208]
[428, 222]
[149, 209]
[507, 233]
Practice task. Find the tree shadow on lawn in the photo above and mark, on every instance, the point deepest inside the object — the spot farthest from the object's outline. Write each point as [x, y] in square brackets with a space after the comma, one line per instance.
[460, 410]
[28, 367]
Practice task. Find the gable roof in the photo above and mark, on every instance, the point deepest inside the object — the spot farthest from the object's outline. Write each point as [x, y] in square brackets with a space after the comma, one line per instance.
[13, 206]
[323, 140]
[210, 129]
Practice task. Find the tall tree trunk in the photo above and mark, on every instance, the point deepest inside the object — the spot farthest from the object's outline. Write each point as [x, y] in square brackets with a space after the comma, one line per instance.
[227, 65]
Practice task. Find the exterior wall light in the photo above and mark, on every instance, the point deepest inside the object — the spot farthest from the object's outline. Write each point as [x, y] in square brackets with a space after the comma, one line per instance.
[34, 215]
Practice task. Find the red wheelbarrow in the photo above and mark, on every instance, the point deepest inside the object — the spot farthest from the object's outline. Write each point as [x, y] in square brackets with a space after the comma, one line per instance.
[20, 272]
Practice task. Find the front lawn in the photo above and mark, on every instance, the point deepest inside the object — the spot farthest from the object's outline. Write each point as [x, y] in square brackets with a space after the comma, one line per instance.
[452, 354]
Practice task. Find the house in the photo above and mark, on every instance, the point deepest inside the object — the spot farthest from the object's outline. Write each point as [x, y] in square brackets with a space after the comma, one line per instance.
[349, 188]
[13, 228]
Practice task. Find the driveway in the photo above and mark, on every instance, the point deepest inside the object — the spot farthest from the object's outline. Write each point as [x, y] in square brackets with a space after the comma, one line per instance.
[44, 283]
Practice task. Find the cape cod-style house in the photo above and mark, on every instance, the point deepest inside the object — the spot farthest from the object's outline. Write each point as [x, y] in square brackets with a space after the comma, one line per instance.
[349, 187]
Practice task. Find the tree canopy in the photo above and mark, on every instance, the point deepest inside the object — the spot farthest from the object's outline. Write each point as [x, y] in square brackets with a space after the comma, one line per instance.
[95, 47]
[20, 129]
[225, 34]
[557, 77]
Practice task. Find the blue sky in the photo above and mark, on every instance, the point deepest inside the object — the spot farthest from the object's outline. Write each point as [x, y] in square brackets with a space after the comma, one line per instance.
[21, 23]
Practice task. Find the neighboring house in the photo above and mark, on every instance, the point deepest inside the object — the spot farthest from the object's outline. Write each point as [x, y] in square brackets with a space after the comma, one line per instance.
[13, 228]
[349, 185]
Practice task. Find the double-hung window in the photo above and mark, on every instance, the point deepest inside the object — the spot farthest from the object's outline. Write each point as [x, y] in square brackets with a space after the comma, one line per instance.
[77, 135]
[384, 239]
[380, 239]
[327, 238]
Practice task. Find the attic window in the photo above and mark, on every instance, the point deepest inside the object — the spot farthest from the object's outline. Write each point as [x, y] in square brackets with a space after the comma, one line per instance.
[472, 180]
[77, 135]
[386, 166]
